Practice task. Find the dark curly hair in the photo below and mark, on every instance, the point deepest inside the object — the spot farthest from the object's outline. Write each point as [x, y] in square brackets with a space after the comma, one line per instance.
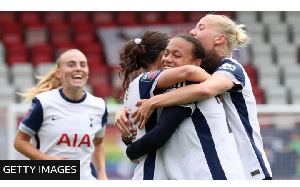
[134, 56]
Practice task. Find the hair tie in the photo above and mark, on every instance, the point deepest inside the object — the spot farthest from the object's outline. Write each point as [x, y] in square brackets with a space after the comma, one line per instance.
[137, 41]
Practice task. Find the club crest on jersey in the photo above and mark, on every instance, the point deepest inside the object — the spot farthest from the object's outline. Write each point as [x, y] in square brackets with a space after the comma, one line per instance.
[149, 76]
[32, 107]
[228, 66]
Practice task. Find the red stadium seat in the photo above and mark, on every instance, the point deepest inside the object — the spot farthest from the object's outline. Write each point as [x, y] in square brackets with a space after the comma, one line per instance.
[195, 16]
[104, 18]
[252, 73]
[8, 17]
[83, 38]
[95, 60]
[98, 76]
[62, 47]
[174, 17]
[258, 94]
[84, 27]
[127, 18]
[91, 48]
[42, 54]
[78, 17]
[35, 34]
[50, 17]
[11, 33]
[29, 17]
[102, 91]
[61, 33]
[16, 53]
[151, 17]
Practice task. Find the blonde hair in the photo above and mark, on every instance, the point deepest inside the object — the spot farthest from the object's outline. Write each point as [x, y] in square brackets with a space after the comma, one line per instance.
[236, 36]
[46, 83]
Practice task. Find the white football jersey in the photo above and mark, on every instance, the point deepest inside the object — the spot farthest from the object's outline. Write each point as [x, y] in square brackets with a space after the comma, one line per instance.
[63, 127]
[203, 146]
[150, 166]
[240, 108]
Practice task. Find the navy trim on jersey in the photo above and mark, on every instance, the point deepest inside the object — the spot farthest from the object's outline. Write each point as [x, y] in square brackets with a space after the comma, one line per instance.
[35, 118]
[93, 170]
[170, 119]
[71, 100]
[233, 68]
[241, 107]
[149, 166]
[37, 139]
[146, 83]
[208, 145]
[104, 117]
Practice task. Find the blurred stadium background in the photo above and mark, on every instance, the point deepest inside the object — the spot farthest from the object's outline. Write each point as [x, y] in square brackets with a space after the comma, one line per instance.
[30, 42]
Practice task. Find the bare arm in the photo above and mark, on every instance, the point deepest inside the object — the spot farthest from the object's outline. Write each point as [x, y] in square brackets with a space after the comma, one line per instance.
[98, 158]
[180, 74]
[213, 86]
[23, 145]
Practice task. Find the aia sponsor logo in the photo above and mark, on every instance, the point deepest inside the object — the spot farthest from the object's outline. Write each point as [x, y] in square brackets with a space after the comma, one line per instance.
[77, 142]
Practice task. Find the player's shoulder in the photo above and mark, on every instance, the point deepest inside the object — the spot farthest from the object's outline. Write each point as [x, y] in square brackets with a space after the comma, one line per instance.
[98, 101]
[48, 94]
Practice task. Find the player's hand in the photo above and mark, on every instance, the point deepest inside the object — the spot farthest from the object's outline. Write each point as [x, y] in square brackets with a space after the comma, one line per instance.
[122, 122]
[142, 114]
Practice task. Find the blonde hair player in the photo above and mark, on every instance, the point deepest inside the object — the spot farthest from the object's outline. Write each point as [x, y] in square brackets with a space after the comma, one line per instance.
[219, 35]
[64, 121]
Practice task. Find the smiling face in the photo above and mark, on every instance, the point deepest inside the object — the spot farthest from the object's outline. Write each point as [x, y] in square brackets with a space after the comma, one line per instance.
[179, 53]
[73, 70]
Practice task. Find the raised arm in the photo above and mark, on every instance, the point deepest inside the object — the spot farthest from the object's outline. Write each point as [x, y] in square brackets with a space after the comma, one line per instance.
[168, 122]
[176, 75]
[213, 86]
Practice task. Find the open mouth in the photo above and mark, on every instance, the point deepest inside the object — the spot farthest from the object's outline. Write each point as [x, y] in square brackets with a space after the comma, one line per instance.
[168, 67]
[77, 77]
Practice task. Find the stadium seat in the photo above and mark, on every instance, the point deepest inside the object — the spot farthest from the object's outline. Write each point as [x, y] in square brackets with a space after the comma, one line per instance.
[8, 17]
[258, 32]
[84, 38]
[292, 17]
[271, 17]
[36, 34]
[195, 16]
[102, 91]
[279, 33]
[16, 53]
[43, 69]
[291, 76]
[22, 75]
[251, 71]
[258, 94]
[175, 17]
[61, 33]
[4, 74]
[127, 18]
[295, 95]
[7, 94]
[276, 95]
[246, 17]
[50, 17]
[78, 17]
[115, 78]
[151, 17]
[262, 54]
[98, 76]
[11, 33]
[295, 33]
[95, 60]
[286, 54]
[269, 76]
[30, 17]
[104, 18]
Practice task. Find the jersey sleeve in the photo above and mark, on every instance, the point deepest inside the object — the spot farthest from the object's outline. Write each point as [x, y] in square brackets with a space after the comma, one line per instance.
[168, 122]
[147, 83]
[233, 71]
[101, 132]
[33, 119]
